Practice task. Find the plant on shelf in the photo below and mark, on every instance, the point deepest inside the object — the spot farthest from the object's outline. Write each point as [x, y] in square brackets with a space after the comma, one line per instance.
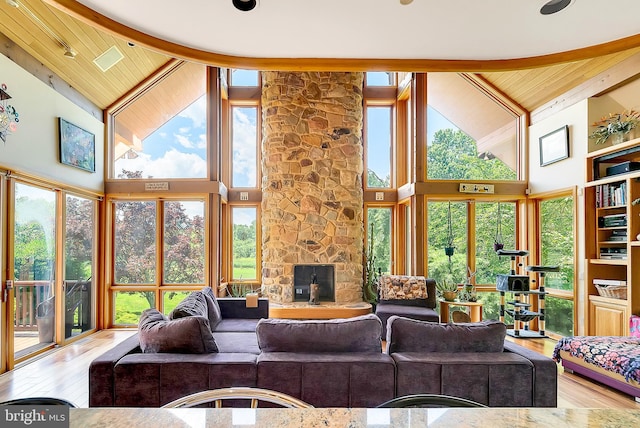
[239, 289]
[619, 124]
[447, 288]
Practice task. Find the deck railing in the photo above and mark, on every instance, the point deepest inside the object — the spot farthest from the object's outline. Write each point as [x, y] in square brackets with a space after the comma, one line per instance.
[35, 299]
[28, 296]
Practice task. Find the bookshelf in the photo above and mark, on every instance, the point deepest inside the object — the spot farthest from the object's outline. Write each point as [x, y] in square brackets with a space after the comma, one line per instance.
[612, 271]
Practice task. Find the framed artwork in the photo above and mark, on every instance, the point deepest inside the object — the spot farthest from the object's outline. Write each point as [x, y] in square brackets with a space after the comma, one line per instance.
[77, 146]
[554, 146]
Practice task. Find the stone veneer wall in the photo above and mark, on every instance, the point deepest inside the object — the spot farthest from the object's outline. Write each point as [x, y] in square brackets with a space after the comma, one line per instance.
[312, 198]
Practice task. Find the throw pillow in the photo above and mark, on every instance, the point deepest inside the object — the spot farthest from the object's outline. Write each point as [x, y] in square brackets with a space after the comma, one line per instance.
[400, 287]
[408, 335]
[188, 335]
[215, 316]
[356, 334]
[195, 304]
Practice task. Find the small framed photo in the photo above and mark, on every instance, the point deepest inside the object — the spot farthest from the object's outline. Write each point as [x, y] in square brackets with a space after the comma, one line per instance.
[554, 146]
[77, 146]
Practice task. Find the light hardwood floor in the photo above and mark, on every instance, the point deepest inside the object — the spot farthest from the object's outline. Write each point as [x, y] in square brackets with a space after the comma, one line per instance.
[63, 372]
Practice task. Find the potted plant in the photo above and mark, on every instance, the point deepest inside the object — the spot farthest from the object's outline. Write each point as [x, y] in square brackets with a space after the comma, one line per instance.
[447, 288]
[617, 125]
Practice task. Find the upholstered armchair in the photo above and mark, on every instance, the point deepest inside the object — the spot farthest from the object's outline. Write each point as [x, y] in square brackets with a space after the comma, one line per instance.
[406, 296]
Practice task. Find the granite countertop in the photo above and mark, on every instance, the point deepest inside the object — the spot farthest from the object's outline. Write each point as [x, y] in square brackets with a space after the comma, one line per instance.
[354, 418]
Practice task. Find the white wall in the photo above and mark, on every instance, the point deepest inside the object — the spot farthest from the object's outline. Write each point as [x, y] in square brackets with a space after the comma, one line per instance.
[565, 174]
[34, 147]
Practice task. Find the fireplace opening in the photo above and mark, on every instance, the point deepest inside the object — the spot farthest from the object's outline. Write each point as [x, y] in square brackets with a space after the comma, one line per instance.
[303, 275]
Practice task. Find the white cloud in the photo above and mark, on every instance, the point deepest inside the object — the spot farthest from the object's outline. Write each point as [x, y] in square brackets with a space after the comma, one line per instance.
[185, 142]
[173, 164]
[196, 112]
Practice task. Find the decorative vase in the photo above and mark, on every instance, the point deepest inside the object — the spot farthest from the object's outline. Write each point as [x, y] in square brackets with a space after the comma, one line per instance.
[449, 296]
[619, 137]
[314, 294]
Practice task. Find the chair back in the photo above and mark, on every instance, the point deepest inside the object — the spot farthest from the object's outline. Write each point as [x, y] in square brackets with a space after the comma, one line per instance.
[38, 401]
[241, 393]
[429, 401]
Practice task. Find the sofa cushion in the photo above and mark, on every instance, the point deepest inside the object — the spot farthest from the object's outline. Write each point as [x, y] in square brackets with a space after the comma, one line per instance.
[237, 325]
[402, 287]
[188, 335]
[195, 304]
[357, 334]
[408, 335]
[213, 308]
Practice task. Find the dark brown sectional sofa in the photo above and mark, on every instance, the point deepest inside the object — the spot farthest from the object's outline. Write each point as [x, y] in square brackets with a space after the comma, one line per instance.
[332, 363]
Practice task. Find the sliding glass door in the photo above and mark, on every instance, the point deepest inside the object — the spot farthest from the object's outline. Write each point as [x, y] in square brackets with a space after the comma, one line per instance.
[34, 255]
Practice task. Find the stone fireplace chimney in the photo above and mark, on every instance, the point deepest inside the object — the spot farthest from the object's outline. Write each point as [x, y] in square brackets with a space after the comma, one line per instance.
[312, 203]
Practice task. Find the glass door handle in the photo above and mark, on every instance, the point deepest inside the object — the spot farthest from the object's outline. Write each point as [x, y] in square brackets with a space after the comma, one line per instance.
[8, 285]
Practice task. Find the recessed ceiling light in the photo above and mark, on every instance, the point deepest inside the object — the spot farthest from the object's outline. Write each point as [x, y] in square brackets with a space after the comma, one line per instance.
[406, 2]
[554, 6]
[244, 5]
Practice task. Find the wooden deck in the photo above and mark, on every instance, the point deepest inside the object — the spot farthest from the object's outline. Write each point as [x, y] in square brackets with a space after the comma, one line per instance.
[64, 372]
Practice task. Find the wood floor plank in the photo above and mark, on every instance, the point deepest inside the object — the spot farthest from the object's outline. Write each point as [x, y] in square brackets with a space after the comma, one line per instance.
[64, 373]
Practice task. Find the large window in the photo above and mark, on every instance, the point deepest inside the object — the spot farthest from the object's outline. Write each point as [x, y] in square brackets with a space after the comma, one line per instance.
[184, 242]
[139, 274]
[244, 244]
[34, 255]
[446, 228]
[163, 132]
[495, 223]
[244, 146]
[135, 242]
[469, 135]
[379, 238]
[379, 140]
[556, 237]
[79, 266]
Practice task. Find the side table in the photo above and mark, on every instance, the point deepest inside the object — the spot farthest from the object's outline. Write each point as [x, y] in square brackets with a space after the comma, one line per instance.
[475, 310]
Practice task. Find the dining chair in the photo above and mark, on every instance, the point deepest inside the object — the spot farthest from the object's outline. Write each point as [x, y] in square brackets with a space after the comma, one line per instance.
[240, 393]
[428, 401]
[38, 401]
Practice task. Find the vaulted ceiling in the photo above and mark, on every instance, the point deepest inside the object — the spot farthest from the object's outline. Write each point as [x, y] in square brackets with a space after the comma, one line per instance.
[551, 69]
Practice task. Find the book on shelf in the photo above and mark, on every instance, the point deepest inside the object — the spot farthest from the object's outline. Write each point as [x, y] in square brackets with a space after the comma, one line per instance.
[611, 195]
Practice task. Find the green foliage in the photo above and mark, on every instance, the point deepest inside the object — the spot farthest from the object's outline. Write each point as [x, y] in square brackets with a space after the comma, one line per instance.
[238, 289]
[370, 286]
[379, 237]
[557, 241]
[446, 283]
[453, 155]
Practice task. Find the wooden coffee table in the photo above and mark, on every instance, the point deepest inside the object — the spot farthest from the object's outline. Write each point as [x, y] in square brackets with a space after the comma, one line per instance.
[475, 310]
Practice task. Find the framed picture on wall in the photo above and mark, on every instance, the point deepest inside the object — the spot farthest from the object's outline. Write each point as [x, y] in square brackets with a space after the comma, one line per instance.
[554, 146]
[77, 146]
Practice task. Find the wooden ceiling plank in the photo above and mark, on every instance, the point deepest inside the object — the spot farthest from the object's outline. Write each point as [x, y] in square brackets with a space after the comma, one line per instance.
[623, 71]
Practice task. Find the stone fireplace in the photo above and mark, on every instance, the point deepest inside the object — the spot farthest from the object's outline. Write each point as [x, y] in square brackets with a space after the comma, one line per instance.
[312, 205]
